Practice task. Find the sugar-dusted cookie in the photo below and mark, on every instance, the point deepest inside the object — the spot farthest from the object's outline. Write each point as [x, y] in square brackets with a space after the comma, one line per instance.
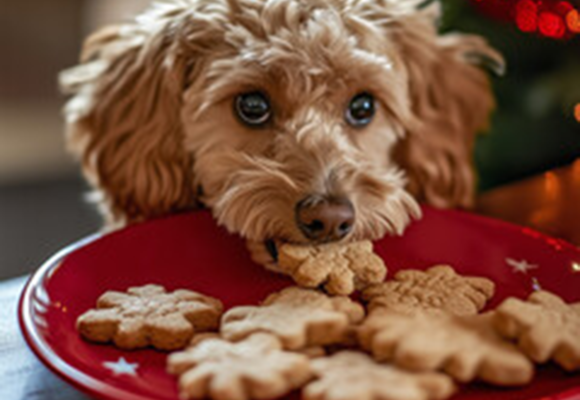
[545, 327]
[255, 368]
[350, 375]
[439, 288]
[339, 267]
[466, 348]
[149, 316]
[299, 317]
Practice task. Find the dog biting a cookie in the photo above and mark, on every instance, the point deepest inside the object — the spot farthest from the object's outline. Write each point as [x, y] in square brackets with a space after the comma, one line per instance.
[309, 128]
[293, 121]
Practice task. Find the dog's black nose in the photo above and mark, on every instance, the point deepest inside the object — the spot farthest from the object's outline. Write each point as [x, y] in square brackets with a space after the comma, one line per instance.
[325, 220]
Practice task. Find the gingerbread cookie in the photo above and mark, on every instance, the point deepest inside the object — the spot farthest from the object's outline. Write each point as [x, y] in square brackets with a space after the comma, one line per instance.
[299, 317]
[545, 327]
[149, 316]
[339, 267]
[256, 368]
[439, 289]
[352, 375]
[464, 347]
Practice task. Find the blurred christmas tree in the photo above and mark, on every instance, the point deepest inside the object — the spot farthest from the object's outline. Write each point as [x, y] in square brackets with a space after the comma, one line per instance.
[534, 127]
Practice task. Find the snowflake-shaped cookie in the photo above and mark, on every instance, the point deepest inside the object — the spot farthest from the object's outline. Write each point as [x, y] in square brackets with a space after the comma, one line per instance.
[339, 267]
[149, 316]
[353, 375]
[545, 327]
[464, 347]
[298, 317]
[256, 368]
[439, 288]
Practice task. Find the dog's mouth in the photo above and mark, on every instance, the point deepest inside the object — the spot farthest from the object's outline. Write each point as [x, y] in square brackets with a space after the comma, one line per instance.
[272, 248]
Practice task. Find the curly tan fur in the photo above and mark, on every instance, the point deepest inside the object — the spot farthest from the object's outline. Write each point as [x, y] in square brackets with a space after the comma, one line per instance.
[151, 117]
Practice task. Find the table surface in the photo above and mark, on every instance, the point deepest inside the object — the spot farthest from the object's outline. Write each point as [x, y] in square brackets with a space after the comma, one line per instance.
[22, 376]
[549, 203]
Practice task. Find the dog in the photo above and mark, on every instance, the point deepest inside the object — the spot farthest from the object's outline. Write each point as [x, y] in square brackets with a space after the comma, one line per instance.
[303, 121]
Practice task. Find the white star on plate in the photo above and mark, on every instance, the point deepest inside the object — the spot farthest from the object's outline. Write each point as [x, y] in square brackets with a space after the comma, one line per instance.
[121, 367]
[520, 266]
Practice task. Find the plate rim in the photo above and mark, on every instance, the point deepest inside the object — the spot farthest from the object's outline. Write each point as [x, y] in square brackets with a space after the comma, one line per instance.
[69, 373]
[99, 389]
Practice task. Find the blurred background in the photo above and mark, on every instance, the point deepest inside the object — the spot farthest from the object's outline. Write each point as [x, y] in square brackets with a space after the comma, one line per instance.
[42, 196]
[42, 206]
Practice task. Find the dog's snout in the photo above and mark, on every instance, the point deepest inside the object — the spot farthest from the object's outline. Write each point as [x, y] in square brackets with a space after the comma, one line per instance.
[325, 220]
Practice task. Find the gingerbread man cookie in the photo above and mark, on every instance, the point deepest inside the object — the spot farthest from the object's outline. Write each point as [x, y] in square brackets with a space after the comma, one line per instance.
[339, 267]
[149, 316]
[438, 289]
[545, 327]
[298, 317]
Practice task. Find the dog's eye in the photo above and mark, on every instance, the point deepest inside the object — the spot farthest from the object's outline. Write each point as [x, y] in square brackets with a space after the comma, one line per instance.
[253, 108]
[361, 110]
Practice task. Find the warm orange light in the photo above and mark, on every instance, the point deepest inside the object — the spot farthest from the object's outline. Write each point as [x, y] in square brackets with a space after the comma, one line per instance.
[552, 187]
[543, 217]
[573, 21]
[577, 112]
[576, 172]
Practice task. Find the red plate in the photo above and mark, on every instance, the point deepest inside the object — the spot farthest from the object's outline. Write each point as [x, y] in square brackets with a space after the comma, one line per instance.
[189, 251]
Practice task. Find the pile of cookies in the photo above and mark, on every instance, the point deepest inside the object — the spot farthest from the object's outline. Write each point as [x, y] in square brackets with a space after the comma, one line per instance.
[415, 335]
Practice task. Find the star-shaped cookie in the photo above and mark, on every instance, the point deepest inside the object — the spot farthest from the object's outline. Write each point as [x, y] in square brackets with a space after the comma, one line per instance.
[339, 267]
[466, 348]
[437, 289]
[298, 317]
[255, 368]
[544, 326]
[149, 316]
[353, 375]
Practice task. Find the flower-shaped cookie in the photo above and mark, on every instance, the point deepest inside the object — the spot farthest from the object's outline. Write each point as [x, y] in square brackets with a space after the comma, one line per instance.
[464, 347]
[340, 267]
[352, 375]
[545, 327]
[149, 316]
[256, 368]
[439, 288]
[298, 317]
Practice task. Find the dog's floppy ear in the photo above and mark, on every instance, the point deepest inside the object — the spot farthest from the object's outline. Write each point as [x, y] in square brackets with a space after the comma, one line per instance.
[124, 119]
[451, 99]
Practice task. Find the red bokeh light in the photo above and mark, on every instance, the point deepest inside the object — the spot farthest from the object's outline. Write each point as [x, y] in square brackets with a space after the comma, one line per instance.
[550, 18]
[527, 16]
[563, 8]
[526, 6]
[551, 25]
